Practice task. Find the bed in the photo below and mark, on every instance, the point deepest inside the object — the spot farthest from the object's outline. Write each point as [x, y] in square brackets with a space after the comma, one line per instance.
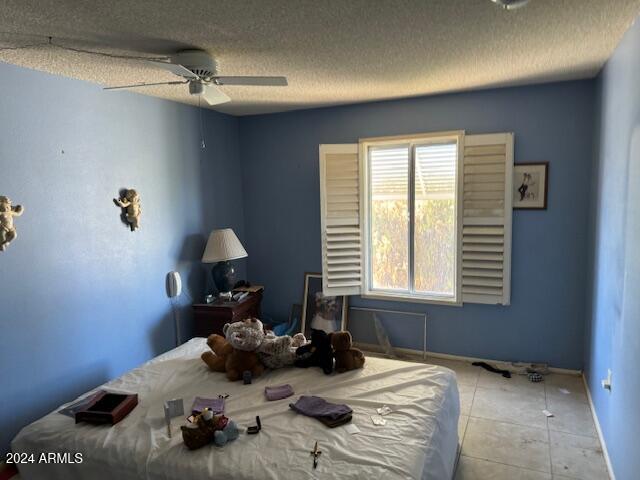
[419, 440]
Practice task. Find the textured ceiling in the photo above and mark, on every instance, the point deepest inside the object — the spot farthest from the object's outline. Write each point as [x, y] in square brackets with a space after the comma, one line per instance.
[332, 51]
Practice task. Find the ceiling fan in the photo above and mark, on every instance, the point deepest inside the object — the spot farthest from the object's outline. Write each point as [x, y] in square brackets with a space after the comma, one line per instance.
[511, 4]
[198, 69]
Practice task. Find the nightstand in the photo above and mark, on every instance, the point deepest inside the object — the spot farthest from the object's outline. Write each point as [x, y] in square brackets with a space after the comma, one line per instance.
[210, 317]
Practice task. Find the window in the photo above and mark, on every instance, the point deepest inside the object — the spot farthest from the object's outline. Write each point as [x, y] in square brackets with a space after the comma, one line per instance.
[423, 218]
[413, 218]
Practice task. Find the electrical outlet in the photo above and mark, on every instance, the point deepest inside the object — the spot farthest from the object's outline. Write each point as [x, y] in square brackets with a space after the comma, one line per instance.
[606, 383]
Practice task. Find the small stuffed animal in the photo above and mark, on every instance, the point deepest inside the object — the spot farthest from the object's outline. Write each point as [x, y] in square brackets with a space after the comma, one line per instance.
[7, 230]
[216, 359]
[208, 428]
[245, 337]
[227, 434]
[347, 358]
[278, 352]
[318, 353]
[131, 204]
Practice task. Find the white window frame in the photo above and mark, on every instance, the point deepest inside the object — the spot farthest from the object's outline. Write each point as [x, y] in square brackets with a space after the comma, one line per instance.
[412, 141]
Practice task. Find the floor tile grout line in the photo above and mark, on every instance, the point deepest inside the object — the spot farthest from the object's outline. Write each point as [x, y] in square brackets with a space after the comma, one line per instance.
[508, 422]
[459, 454]
[468, 415]
[574, 434]
[503, 390]
[505, 464]
[464, 435]
[546, 406]
[467, 423]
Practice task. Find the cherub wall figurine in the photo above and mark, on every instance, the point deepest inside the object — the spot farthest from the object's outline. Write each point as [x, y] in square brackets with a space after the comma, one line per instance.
[7, 230]
[131, 204]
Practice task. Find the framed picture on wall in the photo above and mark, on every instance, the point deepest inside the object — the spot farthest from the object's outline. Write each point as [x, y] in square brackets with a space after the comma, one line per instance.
[530, 182]
[320, 312]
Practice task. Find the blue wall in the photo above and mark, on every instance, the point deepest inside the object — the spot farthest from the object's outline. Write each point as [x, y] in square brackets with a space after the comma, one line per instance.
[613, 327]
[551, 122]
[82, 297]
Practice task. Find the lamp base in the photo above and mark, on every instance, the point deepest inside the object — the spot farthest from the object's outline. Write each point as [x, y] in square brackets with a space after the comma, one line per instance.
[224, 276]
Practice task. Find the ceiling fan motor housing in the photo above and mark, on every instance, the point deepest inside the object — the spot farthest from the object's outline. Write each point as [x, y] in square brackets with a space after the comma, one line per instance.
[197, 61]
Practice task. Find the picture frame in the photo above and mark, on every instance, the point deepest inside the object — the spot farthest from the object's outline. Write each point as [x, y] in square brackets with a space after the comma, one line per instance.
[530, 185]
[320, 312]
[295, 318]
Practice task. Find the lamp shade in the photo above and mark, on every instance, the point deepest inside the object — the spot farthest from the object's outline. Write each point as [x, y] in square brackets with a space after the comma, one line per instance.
[223, 245]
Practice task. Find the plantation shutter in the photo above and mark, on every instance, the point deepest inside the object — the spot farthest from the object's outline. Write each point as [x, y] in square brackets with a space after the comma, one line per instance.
[340, 219]
[486, 225]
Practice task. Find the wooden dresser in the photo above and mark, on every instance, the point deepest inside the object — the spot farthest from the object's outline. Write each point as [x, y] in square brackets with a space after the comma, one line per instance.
[210, 317]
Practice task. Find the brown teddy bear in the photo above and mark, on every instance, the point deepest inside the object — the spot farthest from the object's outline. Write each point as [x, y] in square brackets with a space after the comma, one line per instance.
[240, 361]
[236, 353]
[347, 358]
[216, 360]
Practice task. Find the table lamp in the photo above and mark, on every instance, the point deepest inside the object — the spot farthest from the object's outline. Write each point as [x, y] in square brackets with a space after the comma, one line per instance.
[223, 245]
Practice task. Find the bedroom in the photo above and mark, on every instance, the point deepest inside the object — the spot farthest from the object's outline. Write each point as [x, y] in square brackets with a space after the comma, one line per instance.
[420, 106]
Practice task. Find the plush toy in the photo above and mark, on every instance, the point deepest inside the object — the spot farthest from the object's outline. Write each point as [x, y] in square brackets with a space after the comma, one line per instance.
[318, 353]
[216, 359]
[244, 337]
[347, 358]
[227, 434]
[278, 352]
[208, 428]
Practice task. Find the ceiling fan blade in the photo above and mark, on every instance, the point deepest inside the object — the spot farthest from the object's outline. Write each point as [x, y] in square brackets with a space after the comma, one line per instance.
[175, 69]
[258, 81]
[213, 95]
[135, 85]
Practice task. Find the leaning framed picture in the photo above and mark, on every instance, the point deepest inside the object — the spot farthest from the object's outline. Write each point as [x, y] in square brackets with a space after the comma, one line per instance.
[530, 183]
[295, 318]
[320, 312]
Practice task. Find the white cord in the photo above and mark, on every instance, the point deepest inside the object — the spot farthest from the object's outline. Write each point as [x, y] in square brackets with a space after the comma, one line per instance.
[202, 144]
[176, 322]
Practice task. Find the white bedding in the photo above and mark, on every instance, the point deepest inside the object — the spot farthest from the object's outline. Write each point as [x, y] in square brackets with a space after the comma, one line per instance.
[419, 440]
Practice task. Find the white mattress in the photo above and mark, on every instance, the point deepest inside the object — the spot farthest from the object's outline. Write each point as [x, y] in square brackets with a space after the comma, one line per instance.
[419, 440]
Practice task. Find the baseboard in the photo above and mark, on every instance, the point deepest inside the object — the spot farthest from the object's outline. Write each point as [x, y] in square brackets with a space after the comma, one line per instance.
[605, 452]
[417, 355]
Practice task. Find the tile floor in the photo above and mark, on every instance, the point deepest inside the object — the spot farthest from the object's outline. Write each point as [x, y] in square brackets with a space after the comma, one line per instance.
[505, 436]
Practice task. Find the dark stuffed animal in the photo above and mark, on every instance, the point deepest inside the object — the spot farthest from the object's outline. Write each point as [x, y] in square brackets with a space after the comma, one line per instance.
[318, 353]
[347, 357]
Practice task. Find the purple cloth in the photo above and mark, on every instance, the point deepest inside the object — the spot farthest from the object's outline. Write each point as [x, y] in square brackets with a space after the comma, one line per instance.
[215, 404]
[313, 406]
[279, 392]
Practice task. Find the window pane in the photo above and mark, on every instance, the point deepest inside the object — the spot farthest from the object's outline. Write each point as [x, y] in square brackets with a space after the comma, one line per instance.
[435, 214]
[389, 218]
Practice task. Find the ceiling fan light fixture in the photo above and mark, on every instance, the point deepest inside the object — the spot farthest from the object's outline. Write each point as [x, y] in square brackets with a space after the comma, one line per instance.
[196, 87]
[510, 4]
